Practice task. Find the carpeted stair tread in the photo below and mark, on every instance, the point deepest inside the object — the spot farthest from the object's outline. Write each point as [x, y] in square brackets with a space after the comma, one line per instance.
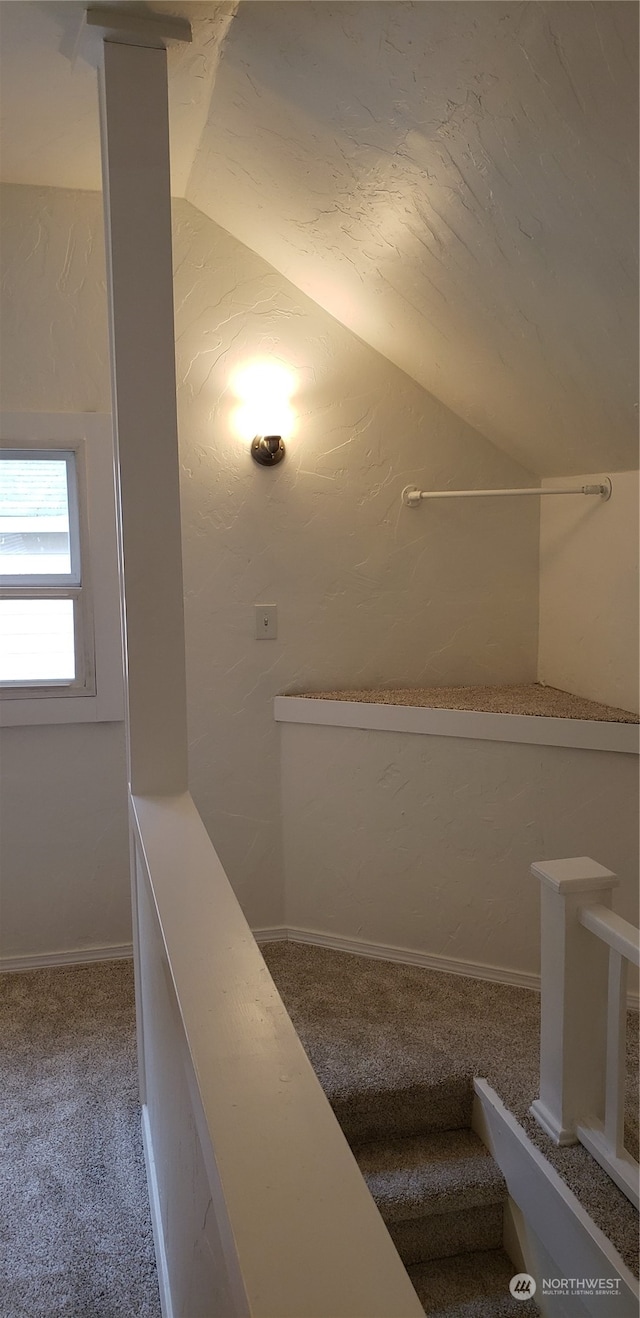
[470, 1286]
[375, 1077]
[377, 1086]
[422, 1175]
[444, 1234]
[366, 1113]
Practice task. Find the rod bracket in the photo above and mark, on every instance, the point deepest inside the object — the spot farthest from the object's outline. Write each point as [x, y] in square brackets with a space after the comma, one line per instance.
[411, 496]
[604, 489]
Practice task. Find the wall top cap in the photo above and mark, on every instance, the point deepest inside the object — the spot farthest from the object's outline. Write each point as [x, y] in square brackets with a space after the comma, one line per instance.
[117, 23]
[575, 874]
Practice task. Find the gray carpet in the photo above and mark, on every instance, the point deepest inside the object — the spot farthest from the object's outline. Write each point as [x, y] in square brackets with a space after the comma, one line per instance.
[395, 1047]
[387, 1041]
[532, 699]
[426, 1173]
[74, 1213]
[471, 1286]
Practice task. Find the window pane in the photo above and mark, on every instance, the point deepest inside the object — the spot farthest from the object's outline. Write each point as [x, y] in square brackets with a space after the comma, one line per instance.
[34, 517]
[37, 641]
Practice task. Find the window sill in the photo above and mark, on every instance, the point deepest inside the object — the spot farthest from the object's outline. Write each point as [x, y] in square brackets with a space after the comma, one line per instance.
[63, 709]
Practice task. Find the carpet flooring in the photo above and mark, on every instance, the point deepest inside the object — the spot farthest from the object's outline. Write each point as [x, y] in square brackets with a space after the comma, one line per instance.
[532, 698]
[396, 1048]
[385, 1041]
[74, 1213]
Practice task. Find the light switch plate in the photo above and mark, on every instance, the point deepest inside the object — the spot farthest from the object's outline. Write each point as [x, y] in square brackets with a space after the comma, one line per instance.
[266, 622]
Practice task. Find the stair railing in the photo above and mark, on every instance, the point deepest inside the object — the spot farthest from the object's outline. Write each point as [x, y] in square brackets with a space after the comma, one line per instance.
[585, 950]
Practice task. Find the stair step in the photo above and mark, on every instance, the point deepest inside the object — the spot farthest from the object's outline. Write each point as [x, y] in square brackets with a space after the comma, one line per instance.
[437, 1173]
[470, 1286]
[372, 1107]
[440, 1194]
[443, 1235]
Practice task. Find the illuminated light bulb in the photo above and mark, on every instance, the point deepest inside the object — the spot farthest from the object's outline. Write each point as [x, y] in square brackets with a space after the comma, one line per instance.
[263, 389]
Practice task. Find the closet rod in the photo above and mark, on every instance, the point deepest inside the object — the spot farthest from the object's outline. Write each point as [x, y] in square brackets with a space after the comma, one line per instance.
[411, 495]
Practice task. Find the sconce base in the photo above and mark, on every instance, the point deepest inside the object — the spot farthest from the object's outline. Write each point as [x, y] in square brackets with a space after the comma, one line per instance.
[267, 450]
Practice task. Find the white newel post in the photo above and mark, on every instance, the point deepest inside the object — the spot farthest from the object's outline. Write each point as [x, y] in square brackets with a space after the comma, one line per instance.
[137, 196]
[574, 976]
[134, 124]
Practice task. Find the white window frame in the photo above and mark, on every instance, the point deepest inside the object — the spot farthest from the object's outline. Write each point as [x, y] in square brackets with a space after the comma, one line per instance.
[74, 585]
[97, 695]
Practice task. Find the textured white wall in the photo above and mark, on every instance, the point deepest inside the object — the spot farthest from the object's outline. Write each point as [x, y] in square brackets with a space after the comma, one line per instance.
[64, 852]
[64, 862]
[53, 330]
[589, 593]
[367, 591]
[426, 842]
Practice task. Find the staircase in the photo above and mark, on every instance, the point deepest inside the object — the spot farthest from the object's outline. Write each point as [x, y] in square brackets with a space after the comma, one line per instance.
[405, 1109]
[442, 1198]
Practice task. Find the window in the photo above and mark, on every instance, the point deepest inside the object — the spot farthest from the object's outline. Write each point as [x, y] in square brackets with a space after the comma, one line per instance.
[60, 633]
[46, 631]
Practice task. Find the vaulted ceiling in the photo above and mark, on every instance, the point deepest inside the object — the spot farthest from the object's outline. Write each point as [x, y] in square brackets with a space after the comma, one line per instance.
[456, 182]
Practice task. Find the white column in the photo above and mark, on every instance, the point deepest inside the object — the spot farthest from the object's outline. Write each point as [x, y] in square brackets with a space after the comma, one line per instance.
[574, 974]
[136, 181]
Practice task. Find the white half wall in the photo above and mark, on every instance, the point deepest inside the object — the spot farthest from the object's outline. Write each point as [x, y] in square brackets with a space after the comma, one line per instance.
[64, 852]
[589, 593]
[426, 842]
[192, 1269]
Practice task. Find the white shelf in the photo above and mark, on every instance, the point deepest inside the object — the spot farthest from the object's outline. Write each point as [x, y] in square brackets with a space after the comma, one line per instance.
[533, 730]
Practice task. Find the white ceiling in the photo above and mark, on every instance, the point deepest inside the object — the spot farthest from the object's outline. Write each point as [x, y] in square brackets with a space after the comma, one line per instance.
[454, 181]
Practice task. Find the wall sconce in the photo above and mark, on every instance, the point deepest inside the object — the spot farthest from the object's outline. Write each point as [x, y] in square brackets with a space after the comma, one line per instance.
[267, 450]
[264, 388]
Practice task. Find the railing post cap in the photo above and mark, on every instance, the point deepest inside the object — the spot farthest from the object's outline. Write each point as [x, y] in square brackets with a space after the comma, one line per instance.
[575, 874]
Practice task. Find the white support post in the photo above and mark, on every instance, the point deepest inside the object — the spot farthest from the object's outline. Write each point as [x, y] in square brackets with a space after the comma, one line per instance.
[134, 122]
[616, 1053]
[574, 974]
[136, 182]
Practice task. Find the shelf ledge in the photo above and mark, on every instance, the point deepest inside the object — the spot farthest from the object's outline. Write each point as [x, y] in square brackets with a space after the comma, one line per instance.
[531, 729]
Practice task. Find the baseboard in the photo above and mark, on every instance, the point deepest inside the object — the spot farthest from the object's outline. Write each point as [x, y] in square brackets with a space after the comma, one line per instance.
[274, 934]
[156, 1218]
[77, 956]
[408, 957]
